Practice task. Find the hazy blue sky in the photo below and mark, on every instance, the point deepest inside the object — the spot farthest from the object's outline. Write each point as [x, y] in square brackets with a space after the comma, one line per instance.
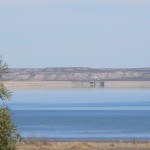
[66, 33]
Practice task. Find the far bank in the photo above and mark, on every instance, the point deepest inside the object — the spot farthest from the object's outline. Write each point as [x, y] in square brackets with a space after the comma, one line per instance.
[76, 84]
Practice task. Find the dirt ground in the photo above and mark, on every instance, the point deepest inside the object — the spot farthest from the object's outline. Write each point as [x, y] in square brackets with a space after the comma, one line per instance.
[83, 145]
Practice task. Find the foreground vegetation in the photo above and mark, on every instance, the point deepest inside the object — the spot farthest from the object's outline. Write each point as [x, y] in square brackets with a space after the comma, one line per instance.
[8, 133]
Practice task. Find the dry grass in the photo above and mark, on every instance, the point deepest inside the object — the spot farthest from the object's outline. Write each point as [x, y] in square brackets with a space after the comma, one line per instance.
[82, 145]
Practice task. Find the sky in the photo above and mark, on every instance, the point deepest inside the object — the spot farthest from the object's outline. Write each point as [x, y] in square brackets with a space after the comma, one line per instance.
[75, 33]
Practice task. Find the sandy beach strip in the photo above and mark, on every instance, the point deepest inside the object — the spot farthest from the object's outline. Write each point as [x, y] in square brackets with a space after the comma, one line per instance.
[83, 145]
[74, 84]
[40, 84]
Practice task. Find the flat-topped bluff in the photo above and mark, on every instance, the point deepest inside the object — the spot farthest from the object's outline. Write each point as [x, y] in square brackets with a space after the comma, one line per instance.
[77, 74]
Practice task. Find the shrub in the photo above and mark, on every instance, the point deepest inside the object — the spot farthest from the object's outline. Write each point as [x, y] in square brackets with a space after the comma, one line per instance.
[8, 133]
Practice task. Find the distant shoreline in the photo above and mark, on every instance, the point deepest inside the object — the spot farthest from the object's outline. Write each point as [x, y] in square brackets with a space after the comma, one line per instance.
[74, 84]
[77, 74]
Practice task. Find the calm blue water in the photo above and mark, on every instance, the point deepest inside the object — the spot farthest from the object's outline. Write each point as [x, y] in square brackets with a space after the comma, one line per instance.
[82, 113]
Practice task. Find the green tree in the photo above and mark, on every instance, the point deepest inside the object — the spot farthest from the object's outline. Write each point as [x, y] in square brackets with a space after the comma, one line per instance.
[8, 133]
[4, 93]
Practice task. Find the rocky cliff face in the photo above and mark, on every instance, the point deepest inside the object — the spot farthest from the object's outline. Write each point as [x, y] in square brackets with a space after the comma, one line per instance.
[77, 74]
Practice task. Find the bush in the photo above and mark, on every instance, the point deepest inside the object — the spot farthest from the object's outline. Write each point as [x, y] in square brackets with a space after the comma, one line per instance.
[8, 133]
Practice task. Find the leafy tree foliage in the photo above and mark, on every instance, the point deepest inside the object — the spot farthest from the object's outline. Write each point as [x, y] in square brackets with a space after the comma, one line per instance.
[8, 133]
[4, 93]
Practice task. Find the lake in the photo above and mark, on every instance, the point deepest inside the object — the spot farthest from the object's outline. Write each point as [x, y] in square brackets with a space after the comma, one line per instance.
[88, 114]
